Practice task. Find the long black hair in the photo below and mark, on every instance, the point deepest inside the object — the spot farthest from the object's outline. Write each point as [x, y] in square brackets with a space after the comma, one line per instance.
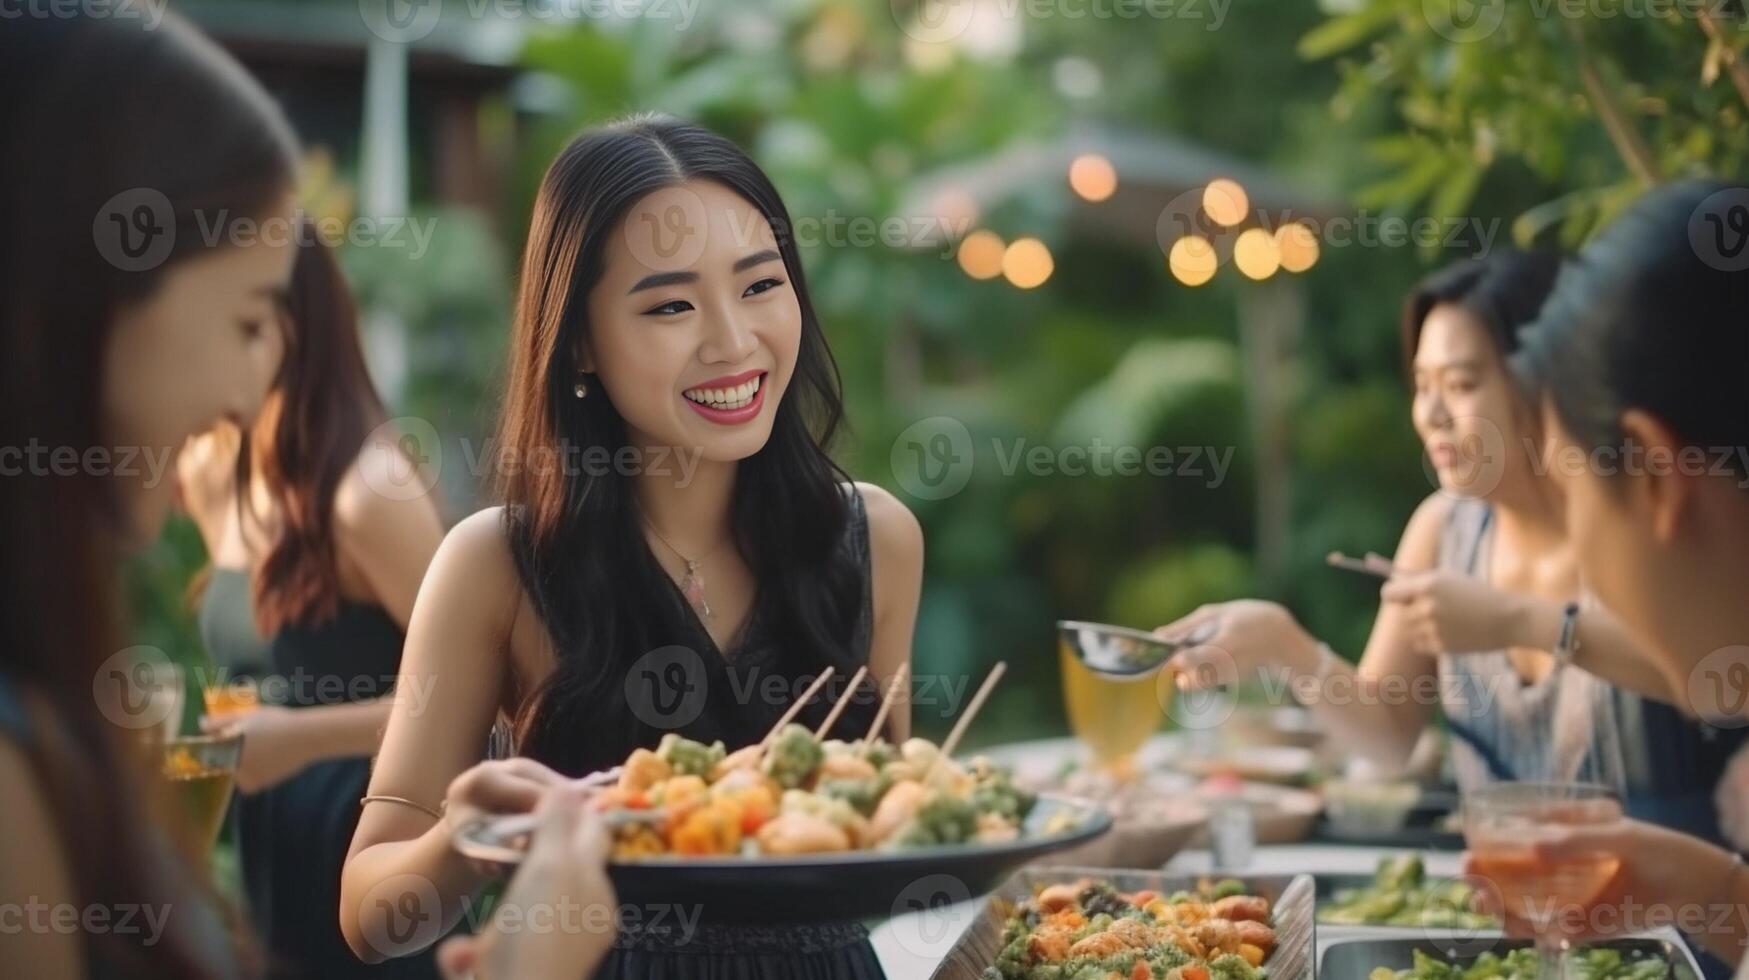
[98, 109]
[1504, 291]
[576, 534]
[1654, 314]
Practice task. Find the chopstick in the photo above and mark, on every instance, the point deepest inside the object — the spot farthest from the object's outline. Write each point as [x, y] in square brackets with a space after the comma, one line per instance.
[901, 678]
[796, 709]
[959, 728]
[843, 702]
[1371, 565]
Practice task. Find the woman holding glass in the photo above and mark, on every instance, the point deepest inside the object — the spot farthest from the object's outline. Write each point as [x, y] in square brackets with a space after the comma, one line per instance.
[1642, 353]
[1483, 587]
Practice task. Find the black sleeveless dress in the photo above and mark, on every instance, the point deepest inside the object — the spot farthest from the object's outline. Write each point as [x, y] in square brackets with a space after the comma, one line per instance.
[706, 695]
[292, 838]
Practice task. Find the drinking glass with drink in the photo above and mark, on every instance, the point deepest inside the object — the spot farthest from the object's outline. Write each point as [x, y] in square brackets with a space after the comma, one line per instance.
[1503, 825]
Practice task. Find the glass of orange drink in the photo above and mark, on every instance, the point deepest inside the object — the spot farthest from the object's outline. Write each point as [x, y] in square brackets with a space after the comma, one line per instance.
[1504, 823]
[230, 698]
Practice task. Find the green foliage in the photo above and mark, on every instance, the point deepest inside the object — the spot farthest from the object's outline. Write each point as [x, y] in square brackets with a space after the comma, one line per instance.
[1567, 112]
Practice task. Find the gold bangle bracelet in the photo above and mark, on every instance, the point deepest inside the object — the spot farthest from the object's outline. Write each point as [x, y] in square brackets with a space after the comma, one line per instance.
[435, 814]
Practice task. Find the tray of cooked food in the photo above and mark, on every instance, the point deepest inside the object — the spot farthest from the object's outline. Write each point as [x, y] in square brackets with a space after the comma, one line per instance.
[1660, 958]
[799, 827]
[1095, 924]
[1400, 895]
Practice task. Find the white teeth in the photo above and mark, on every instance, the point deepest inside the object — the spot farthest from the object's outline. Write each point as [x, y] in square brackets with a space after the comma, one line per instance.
[739, 396]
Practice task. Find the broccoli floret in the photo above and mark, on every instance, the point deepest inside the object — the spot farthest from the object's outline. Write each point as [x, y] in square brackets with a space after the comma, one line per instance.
[1233, 967]
[1101, 898]
[880, 752]
[996, 793]
[942, 819]
[689, 758]
[793, 757]
[862, 794]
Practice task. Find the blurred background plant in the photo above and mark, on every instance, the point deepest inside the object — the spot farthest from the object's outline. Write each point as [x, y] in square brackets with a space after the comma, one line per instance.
[1543, 125]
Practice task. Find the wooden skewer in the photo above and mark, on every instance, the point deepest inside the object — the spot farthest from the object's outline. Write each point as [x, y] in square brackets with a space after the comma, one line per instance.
[795, 709]
[901, 677]
[843, 702]
[959, 727]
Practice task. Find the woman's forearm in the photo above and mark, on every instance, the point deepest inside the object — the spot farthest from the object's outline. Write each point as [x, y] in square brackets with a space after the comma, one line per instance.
[387, 888]
[337, 731]
[1604, 648]
[1379, 718]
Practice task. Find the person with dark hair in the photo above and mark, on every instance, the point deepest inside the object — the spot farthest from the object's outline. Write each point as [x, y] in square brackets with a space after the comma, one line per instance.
[676, 551]
[318, 537]
[1483, 600]
[1641, 355]
[124, 330]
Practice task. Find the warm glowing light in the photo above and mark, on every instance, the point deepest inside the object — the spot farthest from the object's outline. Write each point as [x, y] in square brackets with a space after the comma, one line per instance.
[1192, 260]
[1298, 246]
[1225, 201]
[1255, 253]
[1027, 263]
[1093, 177]
[980, 254]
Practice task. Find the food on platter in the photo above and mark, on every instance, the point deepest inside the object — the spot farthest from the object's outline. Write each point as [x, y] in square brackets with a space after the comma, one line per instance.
[803, 795]
[1523, 964]
[1401, 895]
[1088, 930]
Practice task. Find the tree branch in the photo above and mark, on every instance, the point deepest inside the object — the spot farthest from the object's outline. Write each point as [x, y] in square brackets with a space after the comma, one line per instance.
[1735, 66]
[1628, 144]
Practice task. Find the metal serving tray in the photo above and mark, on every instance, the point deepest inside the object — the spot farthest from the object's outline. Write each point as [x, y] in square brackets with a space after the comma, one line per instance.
[1290, 898]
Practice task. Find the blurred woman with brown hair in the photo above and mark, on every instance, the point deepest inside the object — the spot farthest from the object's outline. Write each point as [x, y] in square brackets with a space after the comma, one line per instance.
[114, 347]
[128, 324]
[318, 538]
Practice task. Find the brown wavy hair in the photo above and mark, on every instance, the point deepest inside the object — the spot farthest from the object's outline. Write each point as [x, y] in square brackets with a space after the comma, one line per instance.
[309, 433]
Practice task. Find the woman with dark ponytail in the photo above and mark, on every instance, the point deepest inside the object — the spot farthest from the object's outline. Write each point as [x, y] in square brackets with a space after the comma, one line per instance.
[1643, 353]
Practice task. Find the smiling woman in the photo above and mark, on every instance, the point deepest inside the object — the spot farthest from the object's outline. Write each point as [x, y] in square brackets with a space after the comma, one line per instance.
[663, 313]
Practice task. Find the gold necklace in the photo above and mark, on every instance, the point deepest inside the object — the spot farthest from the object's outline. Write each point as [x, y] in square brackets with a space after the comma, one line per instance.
[692, 585]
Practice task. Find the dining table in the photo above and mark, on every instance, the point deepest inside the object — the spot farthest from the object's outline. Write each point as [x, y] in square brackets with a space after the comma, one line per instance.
[913, 943]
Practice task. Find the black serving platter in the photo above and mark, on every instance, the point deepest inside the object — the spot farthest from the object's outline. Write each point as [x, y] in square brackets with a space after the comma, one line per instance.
[841, 887]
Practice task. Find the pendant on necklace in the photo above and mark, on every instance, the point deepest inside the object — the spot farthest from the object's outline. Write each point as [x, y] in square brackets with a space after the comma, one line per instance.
[692, 586]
